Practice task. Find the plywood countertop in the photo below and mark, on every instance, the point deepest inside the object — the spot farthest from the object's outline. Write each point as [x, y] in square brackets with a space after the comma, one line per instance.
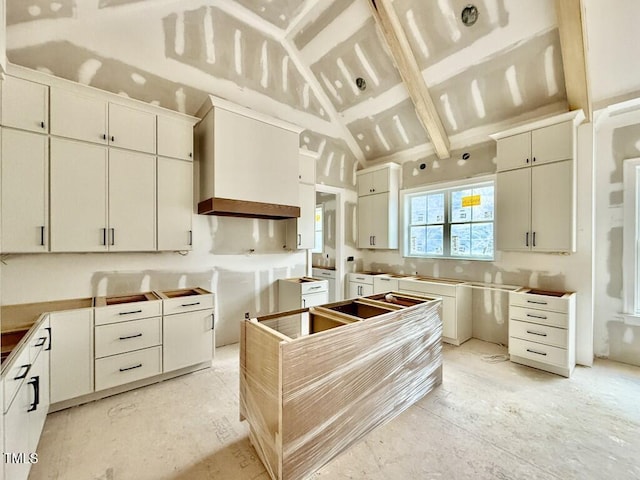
[23, 316]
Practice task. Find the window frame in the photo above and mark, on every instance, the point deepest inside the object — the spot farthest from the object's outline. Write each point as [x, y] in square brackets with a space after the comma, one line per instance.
[447, 188]
[631, 237]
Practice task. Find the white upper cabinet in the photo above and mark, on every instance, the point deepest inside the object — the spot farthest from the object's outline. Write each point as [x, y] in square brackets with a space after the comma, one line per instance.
[301, 230]
[78, 196]
[513, 207]
[78, 116]
[25, 192]
[131, 128]
[132, 201]
[175, 204]
[25, 105]
[175, 137]
[376, 181]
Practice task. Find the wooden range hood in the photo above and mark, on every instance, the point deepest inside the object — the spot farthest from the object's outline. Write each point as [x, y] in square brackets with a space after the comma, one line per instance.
[241, 208]
[249, 163]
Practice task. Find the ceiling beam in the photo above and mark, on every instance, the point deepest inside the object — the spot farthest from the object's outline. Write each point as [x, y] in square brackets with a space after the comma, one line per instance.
[572, 26]
[396, 39]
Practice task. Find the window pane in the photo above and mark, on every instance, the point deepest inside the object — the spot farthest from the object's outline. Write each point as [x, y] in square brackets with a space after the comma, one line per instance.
[482, 240]
[418, 210]
[426, 240]
[483, 212]
[461, 239]
[459, 213]
[435, 208]
[435, 240]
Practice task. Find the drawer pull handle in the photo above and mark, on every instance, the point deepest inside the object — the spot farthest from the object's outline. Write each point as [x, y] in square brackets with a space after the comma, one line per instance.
[27, 367]
[35, 381]
[540, 334]
[131, 336]
[130, 313]
[48, 329]
[536, 352]
[315, 287]
[385, 279]
[41, 341]
[136, 366]
[537, 302]
[541, 317]
[190, 304]
[360, 278]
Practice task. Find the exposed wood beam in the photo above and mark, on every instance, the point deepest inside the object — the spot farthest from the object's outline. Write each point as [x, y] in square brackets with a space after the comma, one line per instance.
[396, 39]
[571, 23]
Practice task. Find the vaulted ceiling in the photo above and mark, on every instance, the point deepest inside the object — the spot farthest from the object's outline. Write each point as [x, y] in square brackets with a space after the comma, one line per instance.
[299, 60]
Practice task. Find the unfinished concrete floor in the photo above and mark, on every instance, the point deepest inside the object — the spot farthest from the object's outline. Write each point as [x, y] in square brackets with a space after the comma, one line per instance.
[488, 420]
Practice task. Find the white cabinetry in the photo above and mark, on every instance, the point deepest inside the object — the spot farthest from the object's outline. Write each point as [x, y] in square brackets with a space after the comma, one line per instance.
[175, 204]
[456, 305]
[542, 330]
[360, 284]
[175, 137]
[330, 277]
[188, 328]
[301, 230]
[296, 293]
[78, 116]
[25, 191]
[535, 195]
[378, 206]
[25, 104]
[71, 354]
[132, 128]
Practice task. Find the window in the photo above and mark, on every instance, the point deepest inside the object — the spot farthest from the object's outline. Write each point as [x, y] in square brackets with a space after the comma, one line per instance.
[318, 246]
[631, 246]
[452, 222]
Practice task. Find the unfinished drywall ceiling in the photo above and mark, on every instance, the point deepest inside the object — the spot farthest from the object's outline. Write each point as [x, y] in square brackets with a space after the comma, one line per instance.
[299, 60]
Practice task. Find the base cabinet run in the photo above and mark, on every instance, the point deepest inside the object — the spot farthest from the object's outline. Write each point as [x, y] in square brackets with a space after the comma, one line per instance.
[542, 330]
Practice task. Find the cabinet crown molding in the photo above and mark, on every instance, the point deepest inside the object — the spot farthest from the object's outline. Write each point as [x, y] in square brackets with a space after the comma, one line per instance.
[577, 116]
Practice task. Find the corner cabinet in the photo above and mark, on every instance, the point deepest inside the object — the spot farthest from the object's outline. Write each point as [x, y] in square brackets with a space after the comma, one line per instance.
[301, 230]
[378, 206]
[536, 191]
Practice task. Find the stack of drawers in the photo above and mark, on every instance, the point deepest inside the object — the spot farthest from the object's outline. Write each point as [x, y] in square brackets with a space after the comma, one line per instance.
[128, 340]
[542, 330]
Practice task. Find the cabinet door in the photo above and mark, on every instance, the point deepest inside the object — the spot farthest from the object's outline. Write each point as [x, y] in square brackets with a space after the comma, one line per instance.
[380, 181]
[379, 218]
[307, 172]
[175, 138]
[313, 299]
[359, 289]
[132, 129]
[175, 204]
[187, 339]
[16, 437]
[78, 196]
[25, 191]
[71, 361]
[449, 318]
[552, 143]
[365, 181]
[77, 116]
[38, 379]
[306, 222]
[25, 105]
[513, 210]
[552, 220]
[132, 201]
[365, 221]
[514, 151]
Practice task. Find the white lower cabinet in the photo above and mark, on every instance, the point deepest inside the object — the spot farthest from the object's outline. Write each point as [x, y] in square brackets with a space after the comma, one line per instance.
[305, 292]
[360, 284]
[457, 323]
[128, 367]
[542, 330]
[330, 277]
[71, 354]
[187, 339]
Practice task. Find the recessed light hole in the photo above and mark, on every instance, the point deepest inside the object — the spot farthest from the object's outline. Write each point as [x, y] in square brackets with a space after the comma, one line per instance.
[361, 84]
[469, 15]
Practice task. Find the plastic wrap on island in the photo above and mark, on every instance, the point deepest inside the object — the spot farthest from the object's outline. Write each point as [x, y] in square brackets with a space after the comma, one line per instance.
[315, 381]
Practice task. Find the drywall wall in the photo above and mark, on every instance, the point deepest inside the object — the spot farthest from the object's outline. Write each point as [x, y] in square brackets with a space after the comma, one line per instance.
[552, 272]
[617, 139]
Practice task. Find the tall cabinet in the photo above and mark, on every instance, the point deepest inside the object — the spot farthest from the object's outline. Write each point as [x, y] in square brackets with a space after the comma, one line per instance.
[536, 186]
[378, 206]
[301, 230]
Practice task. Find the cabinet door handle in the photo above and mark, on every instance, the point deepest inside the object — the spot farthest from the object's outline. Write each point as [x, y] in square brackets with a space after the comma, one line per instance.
[130, 368]
[299, 239]
[41, 124]
[130, 336]
[129, 313]
[190, 154]
[42, 235]
[27, 367]
[113, 236]
[104, 236]
[536, 352]
[189, 304]
[48, 329]
[190, 237]
[541, 317]
[534, 160]
[213, 321]
[526, 239]
[540, 334]
[527, 159]
[41, 341]
[113, 139]
[35, 381]
[374, 240]
[104, 136]
[304, 303]
[534, 239]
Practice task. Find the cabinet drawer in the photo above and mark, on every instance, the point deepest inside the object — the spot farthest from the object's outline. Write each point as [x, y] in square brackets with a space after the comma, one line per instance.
[542, 317]
[384, 284]
[313, 287]
[127, 311]
[538, 352]
[128, 336]
[128, 367]
[538, 333]
[358, 278]
[543, 302]
[430, 288]
[15, 375]
[187, 304]
[323, 273]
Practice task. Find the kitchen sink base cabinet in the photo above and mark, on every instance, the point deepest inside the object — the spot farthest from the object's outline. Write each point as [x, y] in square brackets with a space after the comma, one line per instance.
[288, 381]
